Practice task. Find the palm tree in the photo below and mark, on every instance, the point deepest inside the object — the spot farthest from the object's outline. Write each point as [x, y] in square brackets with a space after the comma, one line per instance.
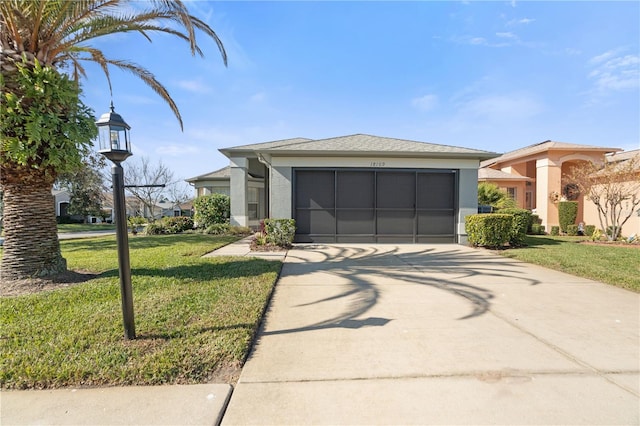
[45, 127]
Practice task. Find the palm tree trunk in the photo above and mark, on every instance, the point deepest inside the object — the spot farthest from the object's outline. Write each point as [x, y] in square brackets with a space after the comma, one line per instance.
[31, 246]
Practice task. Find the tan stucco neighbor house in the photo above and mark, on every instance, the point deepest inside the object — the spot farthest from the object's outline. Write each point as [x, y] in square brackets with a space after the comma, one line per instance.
[356, 189]
[536, 177]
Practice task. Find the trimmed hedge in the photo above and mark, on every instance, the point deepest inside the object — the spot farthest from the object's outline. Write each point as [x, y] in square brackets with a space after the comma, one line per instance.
[555, 230]
[170, 225]
[521, 222]
[572, 230]
[567, 214]
[490, 229]
[280, 231]
[212, 209]
[589, 230]
[537, 229]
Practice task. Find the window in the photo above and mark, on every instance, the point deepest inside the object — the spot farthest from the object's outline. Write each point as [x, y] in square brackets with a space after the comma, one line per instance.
[512, 192]
[253, 200]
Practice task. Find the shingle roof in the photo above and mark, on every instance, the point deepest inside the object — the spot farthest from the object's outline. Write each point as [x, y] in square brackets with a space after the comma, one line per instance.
[493, 174]
[545, 146]
[624, 155]
[359, 144]
[223, 173]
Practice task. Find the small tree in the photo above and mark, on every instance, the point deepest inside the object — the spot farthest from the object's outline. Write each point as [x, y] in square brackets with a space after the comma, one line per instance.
[147, 183]
[614, 188]
[85, 185]
[489, 194]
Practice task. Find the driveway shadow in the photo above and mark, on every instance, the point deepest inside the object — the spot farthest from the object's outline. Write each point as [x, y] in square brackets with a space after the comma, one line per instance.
[361, 268]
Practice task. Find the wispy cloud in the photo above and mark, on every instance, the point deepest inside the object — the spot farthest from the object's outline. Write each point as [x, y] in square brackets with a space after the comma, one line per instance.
[507, 35]
[615, 71]
[425, 103]
[501, 107]
[175, 150]
[258, 98]
[521, 21]
[195, 86]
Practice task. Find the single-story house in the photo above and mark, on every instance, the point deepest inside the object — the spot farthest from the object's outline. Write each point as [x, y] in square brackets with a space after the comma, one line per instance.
[353, 189]
[61, 200]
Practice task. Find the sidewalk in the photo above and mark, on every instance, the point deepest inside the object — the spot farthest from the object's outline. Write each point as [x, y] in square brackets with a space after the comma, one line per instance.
[243, 248]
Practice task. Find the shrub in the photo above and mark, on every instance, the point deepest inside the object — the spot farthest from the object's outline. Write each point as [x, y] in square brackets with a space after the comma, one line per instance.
[175, 225]
[280, 231]
[589, 230]
[555, 230]
[567, 213]
[537, 229]
[217, 229]
[521, 222]
[489, 230]
[572, 230]
[535, 220]
[155, 228]
[212, 209]
[239, 230]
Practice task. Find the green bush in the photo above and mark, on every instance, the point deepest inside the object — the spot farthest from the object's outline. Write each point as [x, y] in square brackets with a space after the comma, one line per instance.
[212, 209]
[555, 230]
[170, 225]
[535, 220]
[521, 222]
[567, 213]
[537, 229]
[175, 225]
[572, 230]
[589, 230]
[239, 230]
[489, 230]
[155, 228]
[217, 229]
[280, 231]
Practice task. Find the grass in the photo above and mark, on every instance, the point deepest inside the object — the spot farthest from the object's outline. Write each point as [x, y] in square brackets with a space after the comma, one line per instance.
[617, 265]
[83, 227]
[195, 317]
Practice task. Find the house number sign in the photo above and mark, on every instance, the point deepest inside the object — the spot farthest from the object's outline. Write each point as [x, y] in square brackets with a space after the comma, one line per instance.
[377, 164]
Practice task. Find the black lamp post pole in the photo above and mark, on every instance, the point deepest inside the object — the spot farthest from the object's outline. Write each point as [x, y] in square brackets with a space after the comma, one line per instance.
[123, 250]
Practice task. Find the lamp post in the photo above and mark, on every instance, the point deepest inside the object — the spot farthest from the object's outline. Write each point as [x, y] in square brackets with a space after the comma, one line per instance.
[115, 145]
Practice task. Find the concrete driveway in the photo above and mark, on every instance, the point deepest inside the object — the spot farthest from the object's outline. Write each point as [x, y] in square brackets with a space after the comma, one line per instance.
[439, 334]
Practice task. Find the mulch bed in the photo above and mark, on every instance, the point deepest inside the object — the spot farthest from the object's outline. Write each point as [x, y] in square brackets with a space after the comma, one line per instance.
[37, 285]
[635, 244]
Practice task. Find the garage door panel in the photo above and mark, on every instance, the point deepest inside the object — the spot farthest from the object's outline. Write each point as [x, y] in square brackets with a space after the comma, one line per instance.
[396, 190]
[395, 222]
[356, 190]
[436, 191]
[356, 221]
[315, 222]
[436, 222]
[315, 189]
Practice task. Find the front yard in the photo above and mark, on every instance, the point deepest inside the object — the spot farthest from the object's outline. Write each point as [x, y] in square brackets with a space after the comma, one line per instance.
[195, 317]
[617, 265]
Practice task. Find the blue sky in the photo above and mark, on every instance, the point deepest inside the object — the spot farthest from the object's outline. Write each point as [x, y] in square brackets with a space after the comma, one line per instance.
[488, 75]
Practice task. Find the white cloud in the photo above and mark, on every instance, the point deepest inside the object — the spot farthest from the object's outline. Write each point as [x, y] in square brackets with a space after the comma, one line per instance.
[176, 150]
[195, 86]
[522, 21]
[425, 103]
[477, 40]
[500, 108]
[506, 35]
[613, 71]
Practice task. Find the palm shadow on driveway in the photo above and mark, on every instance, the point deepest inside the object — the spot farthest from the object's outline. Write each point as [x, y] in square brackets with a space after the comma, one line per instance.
[360, 269]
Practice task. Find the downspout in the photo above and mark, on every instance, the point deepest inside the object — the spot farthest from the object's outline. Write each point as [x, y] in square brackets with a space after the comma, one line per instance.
[267, 189]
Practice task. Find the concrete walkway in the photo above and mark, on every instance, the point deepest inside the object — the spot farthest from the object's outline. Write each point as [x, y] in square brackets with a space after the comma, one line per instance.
[243, 248]
[439, 335]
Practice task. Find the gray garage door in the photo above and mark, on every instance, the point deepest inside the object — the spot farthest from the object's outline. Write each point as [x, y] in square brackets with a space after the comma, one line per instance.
[363, 206]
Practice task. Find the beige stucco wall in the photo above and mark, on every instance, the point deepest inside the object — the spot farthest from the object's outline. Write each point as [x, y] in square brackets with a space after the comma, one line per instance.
[632, 227]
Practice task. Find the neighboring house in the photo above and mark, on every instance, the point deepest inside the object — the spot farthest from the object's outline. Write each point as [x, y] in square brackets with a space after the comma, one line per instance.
[632, 227]
[536, 176]
[61, 200]
[357, 188]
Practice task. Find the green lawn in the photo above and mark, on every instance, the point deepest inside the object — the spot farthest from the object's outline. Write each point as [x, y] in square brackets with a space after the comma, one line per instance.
[83, 227]
[195, 317]
[617, 265]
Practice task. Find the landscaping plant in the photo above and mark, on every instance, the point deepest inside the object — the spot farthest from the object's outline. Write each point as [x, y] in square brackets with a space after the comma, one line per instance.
[567, 214]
